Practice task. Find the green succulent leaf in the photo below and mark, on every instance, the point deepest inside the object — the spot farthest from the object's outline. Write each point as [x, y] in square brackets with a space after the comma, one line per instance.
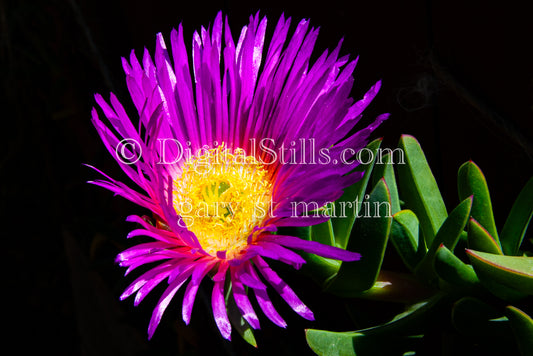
[318, 268]
[453, 226]
[518, 220]
[448, 235]
[513, 272]
[479, 320]
[522, 326]
[397, 287]
[328, 343]
[323, 233]
[303, 232]
[413, 319]
[395, 337]
[471, 181]
[480, 239]
[405, 238]
[369, 237]
[343, 221]
[452, 270]
[419, 189]
[384, 168]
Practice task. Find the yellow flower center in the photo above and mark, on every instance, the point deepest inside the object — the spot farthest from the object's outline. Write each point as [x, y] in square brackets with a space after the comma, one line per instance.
[221, 196]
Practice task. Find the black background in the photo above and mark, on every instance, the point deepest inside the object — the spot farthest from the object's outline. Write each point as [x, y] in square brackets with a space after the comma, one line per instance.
[456, 75]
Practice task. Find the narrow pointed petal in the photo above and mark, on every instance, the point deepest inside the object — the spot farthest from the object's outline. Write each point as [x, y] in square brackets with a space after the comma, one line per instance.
[283, 289]
[218, 303]
[190, 293]
[242, 301]
[157, 272]
[165, 301]
[314, 247]
[265, 303]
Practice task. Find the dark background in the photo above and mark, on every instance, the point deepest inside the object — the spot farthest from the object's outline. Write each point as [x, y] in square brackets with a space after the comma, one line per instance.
[457, 76]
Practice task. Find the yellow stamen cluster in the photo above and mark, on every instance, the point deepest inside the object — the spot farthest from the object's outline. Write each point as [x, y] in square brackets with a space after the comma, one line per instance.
[221, 195]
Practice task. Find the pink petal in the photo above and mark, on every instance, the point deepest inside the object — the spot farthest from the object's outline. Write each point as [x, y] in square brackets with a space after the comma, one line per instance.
[159, 271]
[313, 247]
[283, 289]
[165, 301]
[192, 288]
[218, 303]
[266, 304]
[242, 301]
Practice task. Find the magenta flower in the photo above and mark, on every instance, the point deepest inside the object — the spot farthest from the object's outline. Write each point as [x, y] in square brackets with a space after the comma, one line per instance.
[227, 156]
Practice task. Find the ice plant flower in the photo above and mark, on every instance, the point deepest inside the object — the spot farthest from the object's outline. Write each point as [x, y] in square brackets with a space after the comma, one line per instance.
[228, 152]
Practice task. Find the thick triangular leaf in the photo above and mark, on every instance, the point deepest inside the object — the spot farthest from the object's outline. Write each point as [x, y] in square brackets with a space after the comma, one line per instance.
[328, 343]
[384, 168]
[419, 189]
[522, 326]
[320, 269]
[345, 212]
[405, 238]
[479, 320]
[397, 287]
[452, 270]
[382, 339]
[303, 232]
[369, 238]
[323, 233]
[479, 239]
[511, 271]
[448, 235]
[471, 181]
[516, 224]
